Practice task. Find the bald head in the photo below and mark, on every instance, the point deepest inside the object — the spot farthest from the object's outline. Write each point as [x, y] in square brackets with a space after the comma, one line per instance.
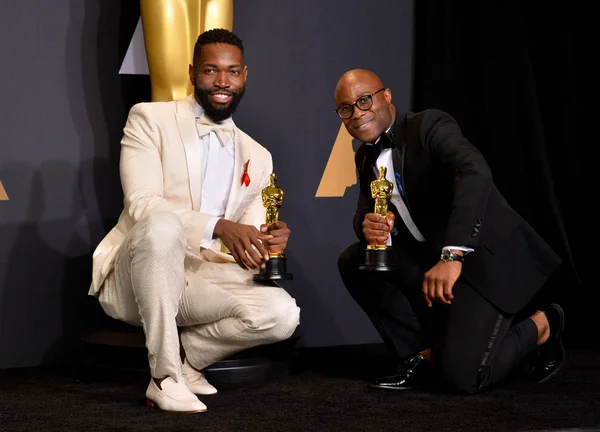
[355, 76]
[365, 124]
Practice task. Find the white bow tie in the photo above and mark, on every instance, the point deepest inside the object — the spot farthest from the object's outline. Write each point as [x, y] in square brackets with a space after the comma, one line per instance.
[222, 130]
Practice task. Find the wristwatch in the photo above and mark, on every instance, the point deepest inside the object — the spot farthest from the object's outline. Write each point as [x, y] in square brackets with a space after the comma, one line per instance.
[448, 255]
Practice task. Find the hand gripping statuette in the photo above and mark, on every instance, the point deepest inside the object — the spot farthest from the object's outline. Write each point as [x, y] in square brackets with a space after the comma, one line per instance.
[380, 256]
[275, 268]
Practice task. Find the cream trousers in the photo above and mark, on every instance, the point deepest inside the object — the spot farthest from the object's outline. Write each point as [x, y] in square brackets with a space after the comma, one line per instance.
[217, 306]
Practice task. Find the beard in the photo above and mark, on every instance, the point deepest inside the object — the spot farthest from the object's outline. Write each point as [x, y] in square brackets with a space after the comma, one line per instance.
[218, 112]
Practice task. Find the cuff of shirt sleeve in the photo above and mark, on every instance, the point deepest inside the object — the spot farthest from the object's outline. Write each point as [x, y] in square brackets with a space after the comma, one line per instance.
[207, 239]
[466, 250]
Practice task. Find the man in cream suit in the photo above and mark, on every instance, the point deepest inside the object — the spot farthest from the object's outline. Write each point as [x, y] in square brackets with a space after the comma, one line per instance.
[190, 236]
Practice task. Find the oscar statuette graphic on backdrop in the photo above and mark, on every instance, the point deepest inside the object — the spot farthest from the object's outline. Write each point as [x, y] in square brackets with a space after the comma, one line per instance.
[171, 28]
[3, 194]
[339, 173]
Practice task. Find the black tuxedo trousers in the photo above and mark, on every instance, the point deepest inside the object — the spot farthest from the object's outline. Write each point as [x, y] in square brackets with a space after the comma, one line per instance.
[474, 343]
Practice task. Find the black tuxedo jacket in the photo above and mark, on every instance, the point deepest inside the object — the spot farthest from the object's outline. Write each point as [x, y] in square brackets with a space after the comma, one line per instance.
[452, 199]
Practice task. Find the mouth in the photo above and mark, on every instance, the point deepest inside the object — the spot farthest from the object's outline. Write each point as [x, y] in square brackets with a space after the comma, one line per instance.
[362, 126]
[221, 97]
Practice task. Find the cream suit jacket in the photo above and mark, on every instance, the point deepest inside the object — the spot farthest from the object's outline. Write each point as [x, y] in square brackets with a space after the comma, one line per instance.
[160, 167]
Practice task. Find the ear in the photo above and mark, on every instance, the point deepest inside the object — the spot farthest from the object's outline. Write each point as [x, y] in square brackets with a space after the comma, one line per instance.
[245, 72]
[388, 95]
[192, 73]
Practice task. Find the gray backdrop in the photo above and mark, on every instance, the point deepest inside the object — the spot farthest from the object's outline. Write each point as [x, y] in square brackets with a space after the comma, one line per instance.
[62, 112]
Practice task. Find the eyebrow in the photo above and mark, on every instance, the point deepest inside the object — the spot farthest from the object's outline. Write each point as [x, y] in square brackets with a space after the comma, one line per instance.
[237, 65]
[350, 103]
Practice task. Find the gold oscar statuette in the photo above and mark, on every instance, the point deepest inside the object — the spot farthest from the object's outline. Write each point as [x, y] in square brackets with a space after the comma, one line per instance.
[380, 256]
[272, 199]
[171, 28]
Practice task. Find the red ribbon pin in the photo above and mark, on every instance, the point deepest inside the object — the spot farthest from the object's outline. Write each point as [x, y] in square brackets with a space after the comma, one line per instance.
[245, 176]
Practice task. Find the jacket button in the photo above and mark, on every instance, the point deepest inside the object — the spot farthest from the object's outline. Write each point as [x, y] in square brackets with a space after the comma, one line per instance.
[189, 248]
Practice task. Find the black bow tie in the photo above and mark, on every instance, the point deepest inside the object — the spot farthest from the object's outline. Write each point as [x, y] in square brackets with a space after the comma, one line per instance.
[386, 140]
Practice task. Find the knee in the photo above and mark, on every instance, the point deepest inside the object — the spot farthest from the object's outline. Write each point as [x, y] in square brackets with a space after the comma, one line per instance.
[460, 378]
[281, 318]
[348, 259]
[348, 263]
[287, 319]
[163, 232]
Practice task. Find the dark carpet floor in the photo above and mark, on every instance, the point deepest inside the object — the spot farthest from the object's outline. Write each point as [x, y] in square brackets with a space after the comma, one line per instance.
[326, 391]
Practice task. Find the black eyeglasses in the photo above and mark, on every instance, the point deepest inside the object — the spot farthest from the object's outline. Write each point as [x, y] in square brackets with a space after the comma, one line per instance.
[363, 103]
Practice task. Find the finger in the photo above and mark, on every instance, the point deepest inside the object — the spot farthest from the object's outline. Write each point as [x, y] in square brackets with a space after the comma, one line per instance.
[284, 232]
[249, 263]
[425, 289]
[427, 300]
[448, 292]
[376, 233]
[390, 216]
[259, 243]
[241, 248]
[262, 236]
[377, 223]
[256, 255]
[373, 217]
[237, 258]
[252, 258]
[278, 225]
[432, 292]
[376, 219]
[259, 234]
[276, 243]
[439, 293]
[379, 227]
[373, 233]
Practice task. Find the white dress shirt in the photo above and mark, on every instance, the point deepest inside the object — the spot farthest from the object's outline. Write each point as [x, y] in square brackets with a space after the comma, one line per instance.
[385, 159]
[217, 176]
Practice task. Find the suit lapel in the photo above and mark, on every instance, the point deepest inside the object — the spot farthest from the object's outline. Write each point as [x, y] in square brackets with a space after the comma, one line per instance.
[186, 124]
[366, 167]
[238, 190]
[399, 149]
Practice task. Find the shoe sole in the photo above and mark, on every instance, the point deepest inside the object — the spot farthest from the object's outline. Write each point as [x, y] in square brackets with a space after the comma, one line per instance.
[561, 329]
[381, 387]
[152, 404]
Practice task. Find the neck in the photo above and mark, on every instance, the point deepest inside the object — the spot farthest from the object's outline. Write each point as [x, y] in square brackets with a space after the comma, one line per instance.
[393, 115]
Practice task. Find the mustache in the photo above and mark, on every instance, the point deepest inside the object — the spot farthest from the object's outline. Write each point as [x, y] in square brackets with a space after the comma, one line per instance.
[222, 91]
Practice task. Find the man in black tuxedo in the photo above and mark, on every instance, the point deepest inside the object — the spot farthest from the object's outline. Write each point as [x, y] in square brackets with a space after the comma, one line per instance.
[467, 262]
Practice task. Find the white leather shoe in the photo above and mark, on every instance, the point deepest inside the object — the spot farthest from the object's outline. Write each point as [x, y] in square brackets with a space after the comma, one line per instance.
[173, 396]
[195, 380]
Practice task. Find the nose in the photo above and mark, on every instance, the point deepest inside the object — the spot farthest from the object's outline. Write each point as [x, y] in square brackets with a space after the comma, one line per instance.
[357, 112]
[222, 80]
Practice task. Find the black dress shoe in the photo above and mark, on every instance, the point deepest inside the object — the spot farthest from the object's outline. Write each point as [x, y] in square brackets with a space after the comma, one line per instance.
[551, 355]
[410, 373]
